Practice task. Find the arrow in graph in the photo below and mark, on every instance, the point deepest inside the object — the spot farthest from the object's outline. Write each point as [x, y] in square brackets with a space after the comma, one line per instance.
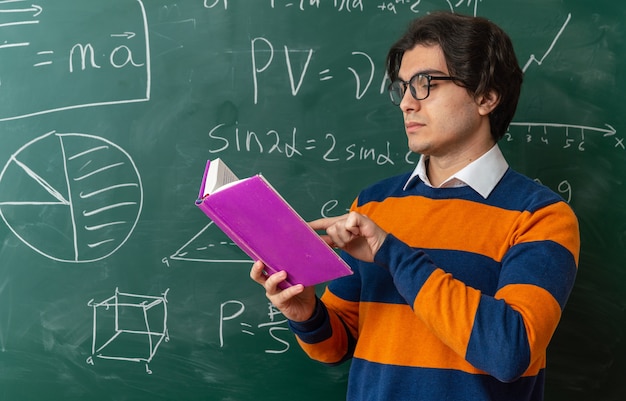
[609, 131]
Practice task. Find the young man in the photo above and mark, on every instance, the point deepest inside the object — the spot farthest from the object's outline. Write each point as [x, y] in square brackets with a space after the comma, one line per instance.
[462, 268]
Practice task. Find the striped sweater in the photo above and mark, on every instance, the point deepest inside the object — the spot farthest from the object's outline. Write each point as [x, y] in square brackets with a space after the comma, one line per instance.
[463, 297]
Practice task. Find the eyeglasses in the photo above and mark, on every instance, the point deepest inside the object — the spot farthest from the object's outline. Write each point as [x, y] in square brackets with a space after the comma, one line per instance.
[419, 85]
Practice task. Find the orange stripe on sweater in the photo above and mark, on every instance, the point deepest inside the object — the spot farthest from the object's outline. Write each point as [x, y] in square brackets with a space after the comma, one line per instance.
[419, 347]
[541, 314]
[450, 307]
[555, 222]
[469, 226]
[331, 350]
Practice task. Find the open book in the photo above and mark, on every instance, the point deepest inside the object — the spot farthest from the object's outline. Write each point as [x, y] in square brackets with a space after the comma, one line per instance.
[257, 218]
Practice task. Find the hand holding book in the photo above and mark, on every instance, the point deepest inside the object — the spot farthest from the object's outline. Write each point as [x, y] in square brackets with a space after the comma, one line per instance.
[257, 218]
[297, 303]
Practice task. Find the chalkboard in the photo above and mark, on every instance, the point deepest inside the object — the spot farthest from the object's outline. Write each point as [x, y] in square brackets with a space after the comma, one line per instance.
[113, 286]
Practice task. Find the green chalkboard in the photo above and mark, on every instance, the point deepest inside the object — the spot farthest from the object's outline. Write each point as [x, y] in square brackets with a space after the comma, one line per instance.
[114, 286]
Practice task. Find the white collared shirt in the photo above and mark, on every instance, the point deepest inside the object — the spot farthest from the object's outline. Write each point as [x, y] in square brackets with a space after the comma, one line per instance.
[482, 175]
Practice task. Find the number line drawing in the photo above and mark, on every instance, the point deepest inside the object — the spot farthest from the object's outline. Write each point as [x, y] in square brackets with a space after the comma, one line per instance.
[609, 131]
[568, 141]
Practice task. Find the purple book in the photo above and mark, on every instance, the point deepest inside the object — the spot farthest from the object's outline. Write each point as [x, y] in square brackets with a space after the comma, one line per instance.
[257, 218]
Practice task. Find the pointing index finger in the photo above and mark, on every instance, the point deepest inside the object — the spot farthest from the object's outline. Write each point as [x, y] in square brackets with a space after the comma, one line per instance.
[324, 223]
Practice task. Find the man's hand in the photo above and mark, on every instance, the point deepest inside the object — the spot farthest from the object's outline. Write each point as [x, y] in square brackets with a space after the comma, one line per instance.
[354, 233]
[296, 303]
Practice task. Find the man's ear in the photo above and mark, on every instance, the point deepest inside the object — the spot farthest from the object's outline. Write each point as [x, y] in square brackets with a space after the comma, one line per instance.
[487, 102]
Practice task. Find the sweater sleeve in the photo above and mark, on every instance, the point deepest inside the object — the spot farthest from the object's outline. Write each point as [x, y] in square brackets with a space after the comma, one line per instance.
[505, 334]
[329, 336]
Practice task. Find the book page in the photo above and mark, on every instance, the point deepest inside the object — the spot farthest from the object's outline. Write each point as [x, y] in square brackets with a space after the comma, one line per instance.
[218, 175]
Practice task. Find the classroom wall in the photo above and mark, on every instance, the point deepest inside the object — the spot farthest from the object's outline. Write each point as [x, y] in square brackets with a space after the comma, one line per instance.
[114, 286]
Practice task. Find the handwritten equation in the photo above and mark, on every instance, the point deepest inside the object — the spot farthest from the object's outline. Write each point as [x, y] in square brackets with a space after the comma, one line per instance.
[265, 54]
[232, 313]
[389, 6]
[71, 64]
[293, 143]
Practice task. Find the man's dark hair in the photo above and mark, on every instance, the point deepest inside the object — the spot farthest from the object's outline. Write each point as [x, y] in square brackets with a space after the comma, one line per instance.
[478, 53]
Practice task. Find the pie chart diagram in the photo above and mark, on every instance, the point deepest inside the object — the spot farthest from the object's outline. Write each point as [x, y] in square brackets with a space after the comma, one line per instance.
[71, 197]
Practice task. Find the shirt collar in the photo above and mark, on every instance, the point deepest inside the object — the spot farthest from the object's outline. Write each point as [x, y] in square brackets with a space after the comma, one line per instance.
[482, 175]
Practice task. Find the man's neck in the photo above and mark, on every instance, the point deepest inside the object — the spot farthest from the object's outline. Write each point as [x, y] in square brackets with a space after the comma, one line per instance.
[439, 169]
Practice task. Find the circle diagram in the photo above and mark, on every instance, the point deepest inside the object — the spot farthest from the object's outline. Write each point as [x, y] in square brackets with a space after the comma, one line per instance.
[71, 197]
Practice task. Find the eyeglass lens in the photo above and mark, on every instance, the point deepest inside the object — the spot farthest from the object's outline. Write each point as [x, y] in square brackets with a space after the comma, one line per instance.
[419, 85]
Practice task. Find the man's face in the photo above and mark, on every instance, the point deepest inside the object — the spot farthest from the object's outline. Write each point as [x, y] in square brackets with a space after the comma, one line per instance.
[449, 120]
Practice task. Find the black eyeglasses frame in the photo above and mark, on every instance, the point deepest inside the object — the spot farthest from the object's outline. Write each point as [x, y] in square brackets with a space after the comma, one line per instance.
[392, 88]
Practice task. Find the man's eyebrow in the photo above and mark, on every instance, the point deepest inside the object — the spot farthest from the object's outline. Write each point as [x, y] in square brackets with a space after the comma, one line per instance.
[429, 71]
